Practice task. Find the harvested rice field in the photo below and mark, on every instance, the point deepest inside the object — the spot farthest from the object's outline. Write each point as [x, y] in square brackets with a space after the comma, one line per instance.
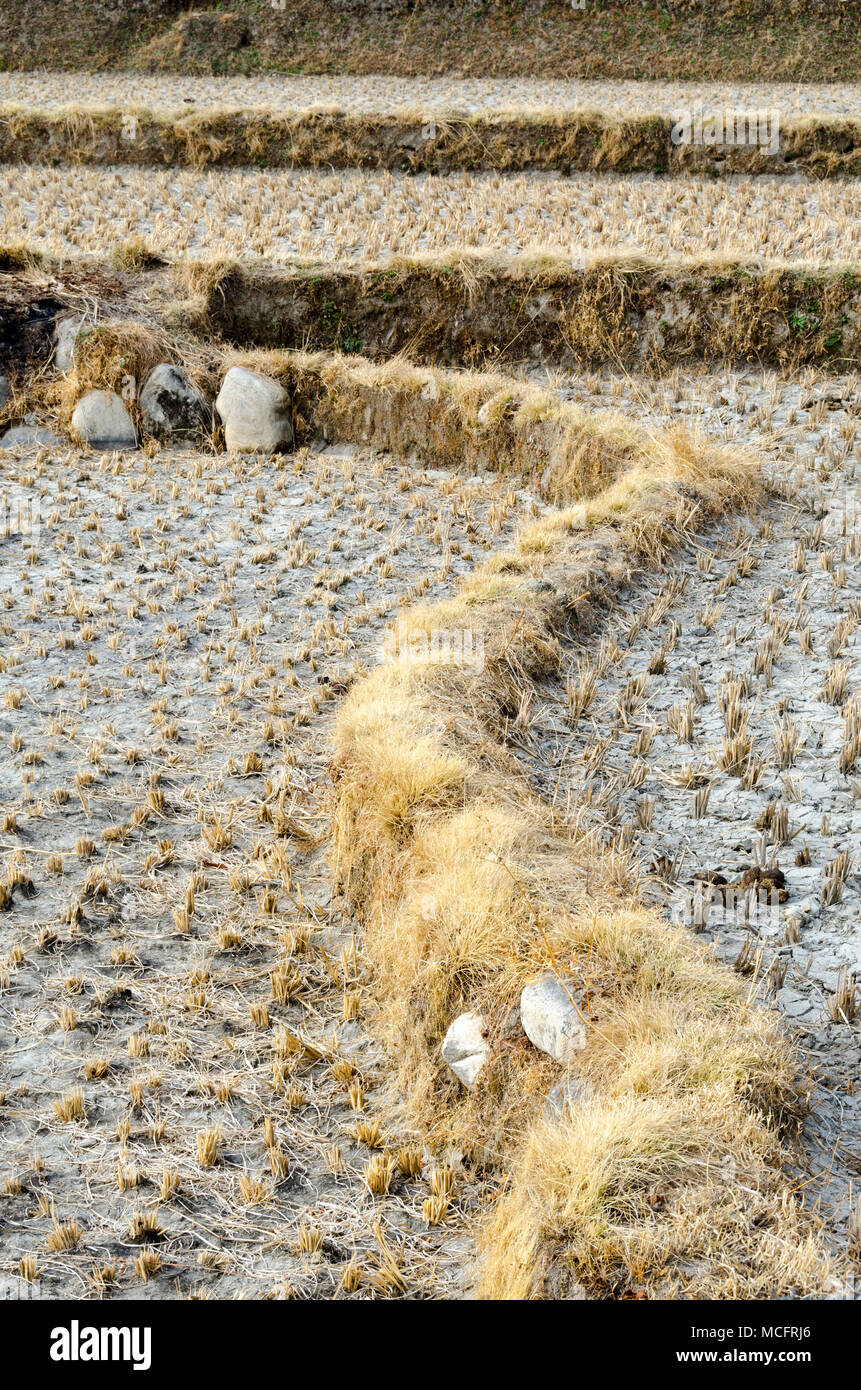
[430, 722]
[214, 1121]
[722, 693]
[190, 1096]
[369, 216]
[376, 94]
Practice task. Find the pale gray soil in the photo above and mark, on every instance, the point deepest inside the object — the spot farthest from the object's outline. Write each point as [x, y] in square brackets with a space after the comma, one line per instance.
[172, 646]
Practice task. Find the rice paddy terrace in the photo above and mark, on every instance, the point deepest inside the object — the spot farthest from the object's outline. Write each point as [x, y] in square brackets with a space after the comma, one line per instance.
[594, 422]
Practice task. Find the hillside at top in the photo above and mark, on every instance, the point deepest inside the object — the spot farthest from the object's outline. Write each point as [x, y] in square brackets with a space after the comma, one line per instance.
[809, 40]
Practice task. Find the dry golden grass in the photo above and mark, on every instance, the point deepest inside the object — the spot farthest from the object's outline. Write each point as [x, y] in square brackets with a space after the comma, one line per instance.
[630, 1192]
[415, 140]
[110, 357]
[469, 886]
[474, 419]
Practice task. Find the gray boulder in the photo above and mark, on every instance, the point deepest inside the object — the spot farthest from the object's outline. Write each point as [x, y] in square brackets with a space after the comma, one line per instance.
[465, 1047]
[550, 1019]
[100, 419]
[171, 405]
[255, 412]
[5, 390]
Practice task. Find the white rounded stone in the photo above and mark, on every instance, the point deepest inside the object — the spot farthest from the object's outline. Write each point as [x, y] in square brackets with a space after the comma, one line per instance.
[550, 1019]
[255, 412]
[465, 1047]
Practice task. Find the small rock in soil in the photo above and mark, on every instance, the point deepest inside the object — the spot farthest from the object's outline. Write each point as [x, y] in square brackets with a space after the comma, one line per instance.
[465, 1047]
[550, 1019]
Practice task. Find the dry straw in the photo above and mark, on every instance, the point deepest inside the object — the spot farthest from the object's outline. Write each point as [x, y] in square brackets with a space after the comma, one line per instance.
[468, 886]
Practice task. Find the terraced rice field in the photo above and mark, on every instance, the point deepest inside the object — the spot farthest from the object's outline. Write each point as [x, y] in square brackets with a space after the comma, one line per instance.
[750, 636]
[370, 216]
[373, 95]
[174, 962]
[228, 805]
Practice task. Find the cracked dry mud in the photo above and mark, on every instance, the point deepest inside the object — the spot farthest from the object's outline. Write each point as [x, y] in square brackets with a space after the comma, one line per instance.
[189, 1085]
